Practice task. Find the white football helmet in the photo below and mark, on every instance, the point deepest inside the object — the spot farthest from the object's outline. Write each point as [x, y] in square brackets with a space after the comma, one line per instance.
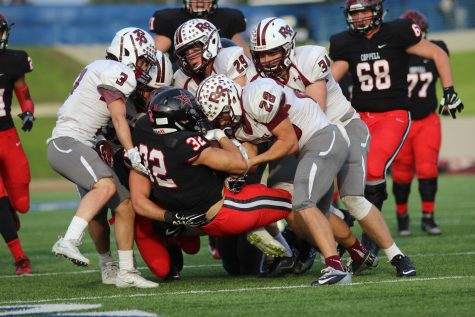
[219, 95]
[273, 35]
[130, 45]
[196, 33]
[162, 72]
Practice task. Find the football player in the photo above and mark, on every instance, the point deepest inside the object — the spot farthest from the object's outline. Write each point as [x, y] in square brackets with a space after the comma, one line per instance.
[186, 185]
[98, 95]
[230, 23]
[298, 124]
[420, 151]
[275, 56]
[377, 56]
[200, 54]
[15, 171]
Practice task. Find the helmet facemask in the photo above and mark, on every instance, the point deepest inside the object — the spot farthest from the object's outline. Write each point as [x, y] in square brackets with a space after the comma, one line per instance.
[4, 32]
[274, 67]
[200, 12]
[369, 23]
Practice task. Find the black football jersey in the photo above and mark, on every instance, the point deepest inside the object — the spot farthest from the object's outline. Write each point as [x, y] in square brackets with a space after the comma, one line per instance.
[13, 65]
[422, 78]
[378, 65]
[165, 22]
[177, 184]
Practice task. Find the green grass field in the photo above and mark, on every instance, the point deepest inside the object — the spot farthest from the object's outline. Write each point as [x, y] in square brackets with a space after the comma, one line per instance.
[444, 286]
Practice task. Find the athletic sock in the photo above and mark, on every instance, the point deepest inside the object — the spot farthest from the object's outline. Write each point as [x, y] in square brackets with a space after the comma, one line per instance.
[401, 209]
[16, 249]
[126, 260]
[75, 229]
[105, 258]
[392, 251]
[428, 207]
[357, 251]
[334, 261]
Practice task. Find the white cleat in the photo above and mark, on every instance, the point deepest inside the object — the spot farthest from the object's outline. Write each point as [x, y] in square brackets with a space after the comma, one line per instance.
[69, 249]
[127, 279]
[261, 239]
[109, 273]
[331, 276]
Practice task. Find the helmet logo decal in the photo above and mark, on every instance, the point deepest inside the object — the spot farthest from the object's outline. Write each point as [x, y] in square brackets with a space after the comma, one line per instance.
[204, 26]
[286, 31]
[217, 94]
[140, 37]
[184, 98]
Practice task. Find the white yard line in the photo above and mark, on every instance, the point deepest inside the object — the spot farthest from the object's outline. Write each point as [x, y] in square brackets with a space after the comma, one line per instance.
[227, 290]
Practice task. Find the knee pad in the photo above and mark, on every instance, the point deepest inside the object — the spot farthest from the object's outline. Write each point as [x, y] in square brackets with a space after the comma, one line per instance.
[358, 206]
[376, 194]
[401, 192]
[428, 188]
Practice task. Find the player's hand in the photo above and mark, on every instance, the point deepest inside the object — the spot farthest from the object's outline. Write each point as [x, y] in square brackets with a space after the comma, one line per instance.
[136, 161]
[235, 184]
[215, 134]
[450, 103]
[241, 148]
[27, 119]
[190, 220]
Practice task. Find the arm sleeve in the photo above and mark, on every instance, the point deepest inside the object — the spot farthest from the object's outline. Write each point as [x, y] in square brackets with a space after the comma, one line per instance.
[408, 33]
[118, 79]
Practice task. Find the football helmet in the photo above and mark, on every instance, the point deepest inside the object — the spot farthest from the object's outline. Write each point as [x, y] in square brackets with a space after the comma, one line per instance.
[175, 109]
[418, 19]
[270, 36]
[4, 32]
[375, 20]
[199, 13]
[134, 47]
[220, 96]
[196, 33]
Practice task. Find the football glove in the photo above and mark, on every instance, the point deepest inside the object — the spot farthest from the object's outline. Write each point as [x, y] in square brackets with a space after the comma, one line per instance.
[136, 160]
[106, 151]
[235, 184]
[27, 119]
[450, 103]
[215, 134]
[190, 220]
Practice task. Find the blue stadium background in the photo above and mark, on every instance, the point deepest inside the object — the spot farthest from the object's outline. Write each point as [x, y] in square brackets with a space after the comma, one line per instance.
[96, 24]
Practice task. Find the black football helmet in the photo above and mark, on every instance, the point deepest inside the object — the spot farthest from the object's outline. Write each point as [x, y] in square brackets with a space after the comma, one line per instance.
[175, 109]
[213, 4]
[377, 10]
[4, 32]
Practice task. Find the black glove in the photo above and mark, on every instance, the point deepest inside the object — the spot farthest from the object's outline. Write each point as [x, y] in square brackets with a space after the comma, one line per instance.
[450, 103]
[235, 184]
[190, 220]
[27, 118]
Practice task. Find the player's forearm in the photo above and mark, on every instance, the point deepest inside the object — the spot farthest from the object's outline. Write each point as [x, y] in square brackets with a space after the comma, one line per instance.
[278, 150]
[442, 63]
[123, 131]
[147, 208]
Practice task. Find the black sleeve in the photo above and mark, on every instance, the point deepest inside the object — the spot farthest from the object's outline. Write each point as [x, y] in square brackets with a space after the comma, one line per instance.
[337, 48]
[407, 32]
[164, 22]
[189, 146]
[21, 64]
[239, 21]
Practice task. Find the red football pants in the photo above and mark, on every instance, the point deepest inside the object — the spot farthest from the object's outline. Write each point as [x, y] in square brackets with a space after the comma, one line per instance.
[14, 171]
[388, 131]
[253, 207]
[420, 152]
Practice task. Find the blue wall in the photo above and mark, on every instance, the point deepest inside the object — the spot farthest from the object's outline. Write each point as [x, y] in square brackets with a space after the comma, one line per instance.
[96, 24]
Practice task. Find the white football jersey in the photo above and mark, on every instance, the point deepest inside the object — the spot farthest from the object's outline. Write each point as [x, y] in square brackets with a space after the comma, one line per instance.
[310, 64]
[230, 61]
[84, 112]
[266, 104]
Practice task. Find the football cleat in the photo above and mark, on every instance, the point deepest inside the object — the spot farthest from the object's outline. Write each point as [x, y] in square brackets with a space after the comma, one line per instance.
[305, 261]
[109, 272]
[403, 225]
[261, 239]
[69, 249]
[281, 266]
[403, 265]
[428, 225]
[369, 244]
[357, 266]
[332, 276]
[127, 279]
[23, 266]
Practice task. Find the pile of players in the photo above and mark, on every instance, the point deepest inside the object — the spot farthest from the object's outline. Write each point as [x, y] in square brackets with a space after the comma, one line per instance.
[196, 143]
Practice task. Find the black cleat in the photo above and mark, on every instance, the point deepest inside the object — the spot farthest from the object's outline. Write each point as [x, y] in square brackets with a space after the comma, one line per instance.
[369, 244]
[403, 265]
[281, 266]
[305, 261]
[403, 225]
[356, 267]
[428, 225]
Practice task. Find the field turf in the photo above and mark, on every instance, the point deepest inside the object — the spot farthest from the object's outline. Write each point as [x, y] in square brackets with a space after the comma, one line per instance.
[444, 286]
